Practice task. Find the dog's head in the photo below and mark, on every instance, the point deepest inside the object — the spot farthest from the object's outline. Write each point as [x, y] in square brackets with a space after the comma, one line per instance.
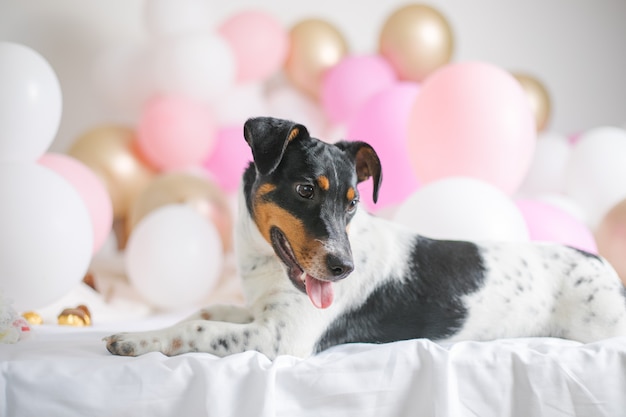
[302, 194]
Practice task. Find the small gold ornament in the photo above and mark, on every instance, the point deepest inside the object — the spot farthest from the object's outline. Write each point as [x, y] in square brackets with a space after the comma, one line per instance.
[77, 317]
[32, 318]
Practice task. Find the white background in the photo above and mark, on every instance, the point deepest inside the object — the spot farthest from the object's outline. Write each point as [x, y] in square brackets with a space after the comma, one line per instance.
[577, 48]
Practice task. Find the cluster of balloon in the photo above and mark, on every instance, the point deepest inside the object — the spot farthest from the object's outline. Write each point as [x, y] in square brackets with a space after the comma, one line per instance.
[55, 211]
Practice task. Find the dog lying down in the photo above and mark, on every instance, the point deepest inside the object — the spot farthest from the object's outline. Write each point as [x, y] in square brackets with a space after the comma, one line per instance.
[319, 271]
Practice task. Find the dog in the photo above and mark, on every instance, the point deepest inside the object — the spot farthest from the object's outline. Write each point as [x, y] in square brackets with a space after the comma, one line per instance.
[319, 271]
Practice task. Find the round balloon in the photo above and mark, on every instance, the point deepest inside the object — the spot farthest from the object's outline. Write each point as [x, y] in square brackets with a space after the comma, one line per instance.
[174, 257]
[200, 193]
[175, 132]
[199, 66]
[547, 168]
[91, 189]
[30, 103]
[348, 85]
[258, 56]
[382, 123]
[611, 238]
[538, 98]
[595, 171]
[417, 40]
[314, 46]
[229, 159]
[168, 18]
[110, 152]
[47, 237]
[472, 119]
[463, 209]
[549, 223]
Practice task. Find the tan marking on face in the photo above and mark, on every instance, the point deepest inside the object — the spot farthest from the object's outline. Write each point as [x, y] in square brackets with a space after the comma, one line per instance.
[265, 189]
[292, 135]
[309, 253]
[350, 194]
[323, 182]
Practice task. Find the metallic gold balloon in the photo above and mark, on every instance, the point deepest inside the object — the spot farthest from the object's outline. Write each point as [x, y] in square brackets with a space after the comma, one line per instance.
[538, 97]
[199, 192]
[110, 152]
[611, 238]
[416, 40]
[315, 46]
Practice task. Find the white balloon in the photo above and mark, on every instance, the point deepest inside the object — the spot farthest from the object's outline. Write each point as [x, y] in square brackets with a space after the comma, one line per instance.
[239, 103]
[285, 102]
[47, 235]
[174, 257]
[547, 170]
[30, 103]
[595, 175]
[461, 208]
[176, 17]
[124, 77]
[199, 66]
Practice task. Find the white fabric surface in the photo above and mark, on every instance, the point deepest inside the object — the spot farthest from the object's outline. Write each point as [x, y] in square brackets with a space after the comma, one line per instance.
[68, 372]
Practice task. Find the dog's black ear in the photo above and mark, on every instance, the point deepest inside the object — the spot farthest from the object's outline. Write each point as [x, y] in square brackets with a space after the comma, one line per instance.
[366, 162]
[268, 137]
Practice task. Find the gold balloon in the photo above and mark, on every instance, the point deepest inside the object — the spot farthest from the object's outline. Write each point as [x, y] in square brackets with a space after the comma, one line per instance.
[110, 152]
[538, 97]
[611, 238]
[315, 46]
[182, 188]
[416, 40]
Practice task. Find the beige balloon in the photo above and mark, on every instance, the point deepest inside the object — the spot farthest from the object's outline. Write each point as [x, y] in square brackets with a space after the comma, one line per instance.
[538, 97]
[182, 188]
[416, 40]
[110, 152]
[315, 46]
[611, 238]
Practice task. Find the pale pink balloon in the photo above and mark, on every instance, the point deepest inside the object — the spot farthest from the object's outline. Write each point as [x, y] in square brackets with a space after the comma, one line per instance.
[551, 224]
[348, 85]
[382, 122]
[229, 158]
[259, 42]
[472, 119]
[175, 132]
[91, 189]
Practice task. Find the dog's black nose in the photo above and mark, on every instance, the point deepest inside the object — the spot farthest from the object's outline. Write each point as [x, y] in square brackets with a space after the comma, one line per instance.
[340, 267]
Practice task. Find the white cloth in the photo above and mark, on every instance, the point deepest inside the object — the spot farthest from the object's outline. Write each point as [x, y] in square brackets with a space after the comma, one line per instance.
[68, 372]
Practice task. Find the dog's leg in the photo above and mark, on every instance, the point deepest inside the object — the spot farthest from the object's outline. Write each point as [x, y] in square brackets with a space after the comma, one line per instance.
[221, 312]
[268, 336]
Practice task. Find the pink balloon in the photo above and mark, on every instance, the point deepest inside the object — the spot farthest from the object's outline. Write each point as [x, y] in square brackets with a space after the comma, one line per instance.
[382, 122]
[91, 189]
[549, 223]
[472, 119]
[347, 85]
[259, 41]
[175, 132]
[229, 158]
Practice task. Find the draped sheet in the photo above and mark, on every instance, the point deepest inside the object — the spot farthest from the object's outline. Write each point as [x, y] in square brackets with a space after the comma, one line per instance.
[68, 372]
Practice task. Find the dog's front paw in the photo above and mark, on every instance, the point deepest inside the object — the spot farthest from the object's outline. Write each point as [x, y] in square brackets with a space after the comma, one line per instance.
[123, 344]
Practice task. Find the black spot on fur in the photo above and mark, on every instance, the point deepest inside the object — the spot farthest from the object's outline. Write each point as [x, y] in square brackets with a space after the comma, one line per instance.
[200, 329]
[586, 254]
[428, 307]
[223, 343]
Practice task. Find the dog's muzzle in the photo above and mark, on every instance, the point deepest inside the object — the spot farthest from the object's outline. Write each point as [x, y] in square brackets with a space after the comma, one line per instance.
[320, 291]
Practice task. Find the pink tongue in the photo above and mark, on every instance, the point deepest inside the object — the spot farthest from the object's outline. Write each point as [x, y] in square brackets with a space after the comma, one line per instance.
[320, 292]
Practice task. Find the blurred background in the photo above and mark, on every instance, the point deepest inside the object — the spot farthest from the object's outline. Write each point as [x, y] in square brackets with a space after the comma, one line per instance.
[574, 47]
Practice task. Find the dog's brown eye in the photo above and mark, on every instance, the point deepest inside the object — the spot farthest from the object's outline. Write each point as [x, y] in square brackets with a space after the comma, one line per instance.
[352, 205]
[305, 190]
